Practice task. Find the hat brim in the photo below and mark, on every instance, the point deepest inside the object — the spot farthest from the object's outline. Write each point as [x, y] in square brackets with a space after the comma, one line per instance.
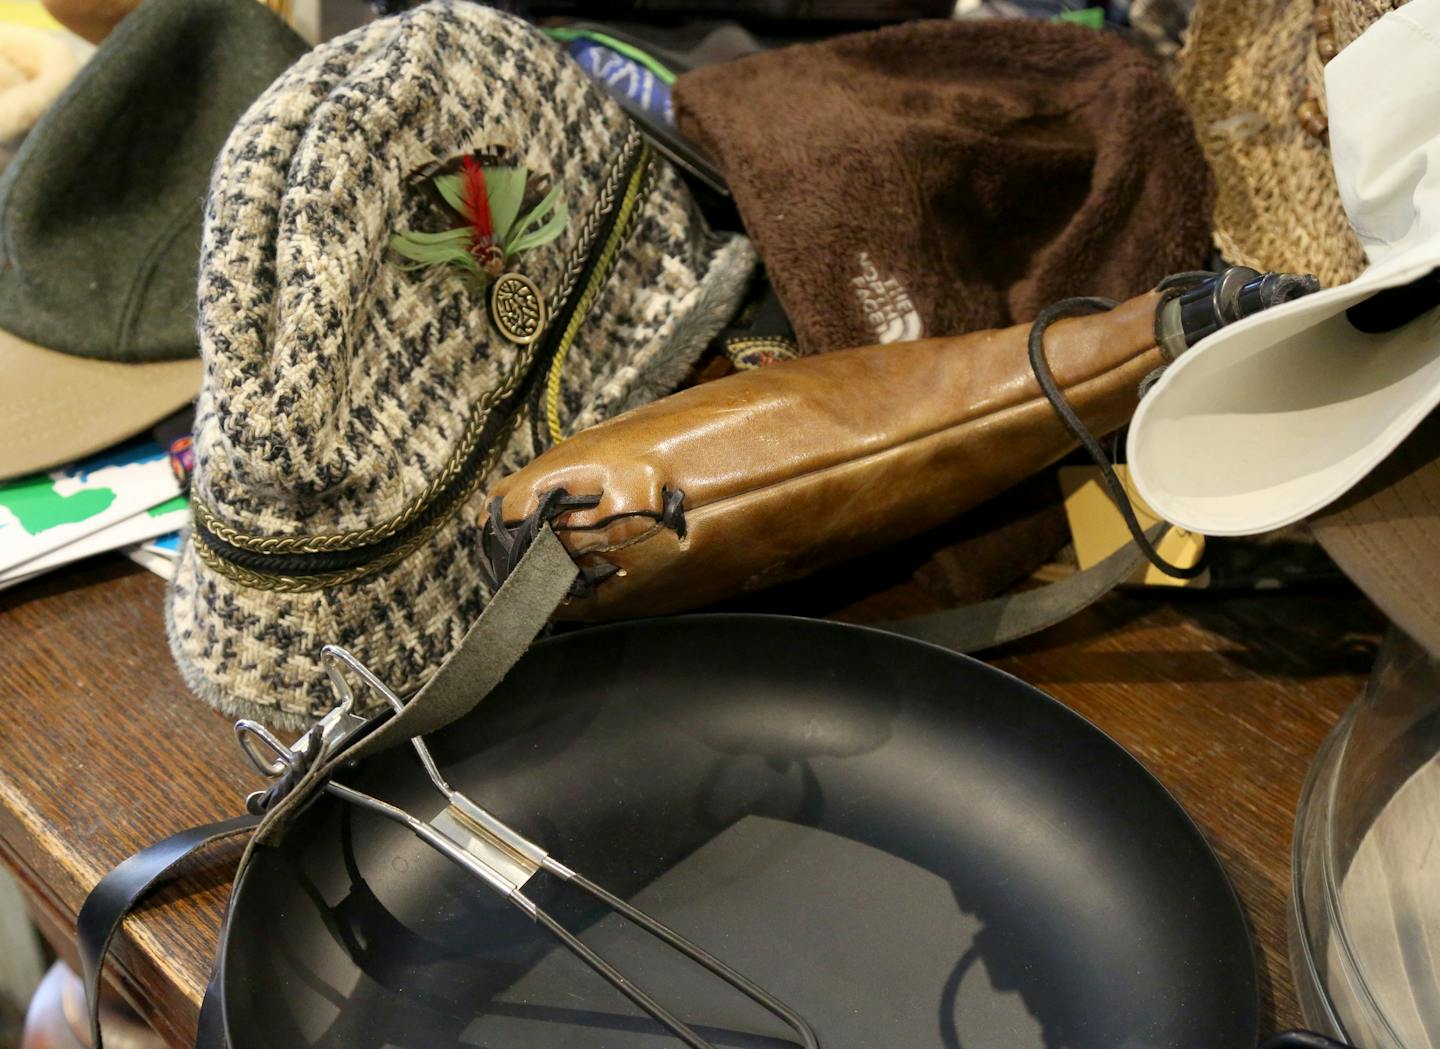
[1272, 419]
[1385, 534]
[56, 407]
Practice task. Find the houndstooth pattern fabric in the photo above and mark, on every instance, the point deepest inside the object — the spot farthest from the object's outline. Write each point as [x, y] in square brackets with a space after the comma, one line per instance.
[337, 385]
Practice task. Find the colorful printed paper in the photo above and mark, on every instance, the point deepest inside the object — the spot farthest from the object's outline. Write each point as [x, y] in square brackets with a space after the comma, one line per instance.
[158, 555]
[627, 77]
[44, 513]
[166, 546]
[139, 528]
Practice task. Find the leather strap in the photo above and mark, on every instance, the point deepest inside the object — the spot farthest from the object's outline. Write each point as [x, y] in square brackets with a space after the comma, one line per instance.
[519, 610]
[974, 628]
[124, 887]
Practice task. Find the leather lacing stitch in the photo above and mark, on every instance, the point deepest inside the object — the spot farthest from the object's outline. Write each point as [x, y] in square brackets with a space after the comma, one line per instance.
[502, 544]
[671, 515]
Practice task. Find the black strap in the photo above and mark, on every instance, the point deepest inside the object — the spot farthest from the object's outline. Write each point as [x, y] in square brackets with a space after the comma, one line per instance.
[210, 1032]
[262, 801]
[119, 891]
[1301, 1040]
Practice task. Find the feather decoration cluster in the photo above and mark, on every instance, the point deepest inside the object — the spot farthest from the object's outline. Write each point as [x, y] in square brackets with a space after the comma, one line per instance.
[489, 199]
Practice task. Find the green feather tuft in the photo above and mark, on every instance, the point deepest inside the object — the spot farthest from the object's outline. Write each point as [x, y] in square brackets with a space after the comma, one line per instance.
[460, 235]
[451, 188]
[422, 250]
[506, 191]
[544, 223]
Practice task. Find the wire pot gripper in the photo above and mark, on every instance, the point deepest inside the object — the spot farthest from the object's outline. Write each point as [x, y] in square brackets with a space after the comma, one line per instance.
[499, 856]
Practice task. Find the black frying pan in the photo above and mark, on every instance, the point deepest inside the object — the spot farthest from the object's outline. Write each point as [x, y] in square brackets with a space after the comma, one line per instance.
[909, 847]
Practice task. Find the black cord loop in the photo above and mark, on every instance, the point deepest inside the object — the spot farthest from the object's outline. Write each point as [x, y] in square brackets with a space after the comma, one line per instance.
[1073, 308]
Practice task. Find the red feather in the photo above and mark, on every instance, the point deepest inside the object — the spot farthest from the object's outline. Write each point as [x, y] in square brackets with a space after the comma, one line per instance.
[478, 201]
[482, 237]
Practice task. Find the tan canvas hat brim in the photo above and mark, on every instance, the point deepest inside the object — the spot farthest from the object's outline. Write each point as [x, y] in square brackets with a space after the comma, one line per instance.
[1385, 534]
[55, 407]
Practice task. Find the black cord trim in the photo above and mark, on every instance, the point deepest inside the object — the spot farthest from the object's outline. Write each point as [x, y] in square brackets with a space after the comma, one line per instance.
[320, 562]
[1078, 429]
[261, 803]
[534, 393]
[539, 436]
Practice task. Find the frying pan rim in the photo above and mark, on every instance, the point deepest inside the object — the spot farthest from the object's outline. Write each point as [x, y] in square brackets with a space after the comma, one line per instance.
[699, 619]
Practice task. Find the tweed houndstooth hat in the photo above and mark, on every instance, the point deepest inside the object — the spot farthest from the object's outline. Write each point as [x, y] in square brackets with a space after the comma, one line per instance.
[355, 404]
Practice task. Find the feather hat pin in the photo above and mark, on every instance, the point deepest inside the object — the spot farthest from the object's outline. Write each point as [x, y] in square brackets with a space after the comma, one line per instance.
[504, 212]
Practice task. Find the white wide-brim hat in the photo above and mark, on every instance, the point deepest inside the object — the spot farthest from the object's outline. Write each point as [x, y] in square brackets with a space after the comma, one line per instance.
[1272, 419]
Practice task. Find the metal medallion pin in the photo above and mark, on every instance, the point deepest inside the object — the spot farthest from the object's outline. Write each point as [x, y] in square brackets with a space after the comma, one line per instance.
[517, 308]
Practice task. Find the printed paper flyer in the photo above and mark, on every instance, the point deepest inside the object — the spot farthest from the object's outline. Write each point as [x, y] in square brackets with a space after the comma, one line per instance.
[44, 512]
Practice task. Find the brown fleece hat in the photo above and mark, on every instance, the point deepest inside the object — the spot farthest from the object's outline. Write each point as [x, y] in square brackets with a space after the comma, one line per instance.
[943, 177]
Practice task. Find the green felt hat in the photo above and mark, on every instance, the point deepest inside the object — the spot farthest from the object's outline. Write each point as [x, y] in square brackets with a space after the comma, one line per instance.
[100, 217]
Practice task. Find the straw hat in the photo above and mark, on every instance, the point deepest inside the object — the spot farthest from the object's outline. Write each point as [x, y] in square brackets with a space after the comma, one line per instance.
[1252, 75]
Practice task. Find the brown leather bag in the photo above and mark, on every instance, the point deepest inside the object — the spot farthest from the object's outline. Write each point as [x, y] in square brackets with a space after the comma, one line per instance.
[768, 475]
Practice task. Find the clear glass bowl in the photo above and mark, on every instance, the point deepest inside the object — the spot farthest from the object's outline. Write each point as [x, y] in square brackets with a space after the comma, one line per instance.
[1365, 894]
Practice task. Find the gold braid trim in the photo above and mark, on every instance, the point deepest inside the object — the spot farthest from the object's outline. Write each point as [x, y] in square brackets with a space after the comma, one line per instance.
[285, 584]
[313, 544]
[624, 224]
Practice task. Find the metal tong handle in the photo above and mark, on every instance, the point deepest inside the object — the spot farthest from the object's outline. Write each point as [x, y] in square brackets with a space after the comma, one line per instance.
[497, 854]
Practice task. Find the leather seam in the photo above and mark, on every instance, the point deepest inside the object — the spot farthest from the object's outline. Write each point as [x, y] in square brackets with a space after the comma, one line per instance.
[649, 533]
[890, 449]
[1077, 386]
